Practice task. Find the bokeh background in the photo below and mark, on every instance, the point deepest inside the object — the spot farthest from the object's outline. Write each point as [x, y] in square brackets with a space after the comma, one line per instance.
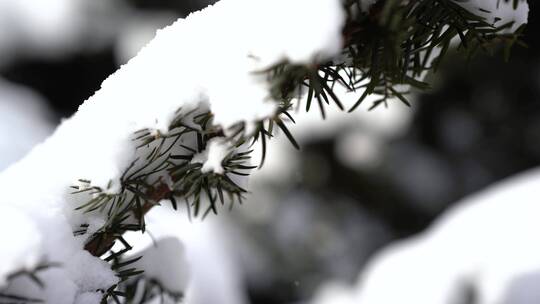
[360, 181]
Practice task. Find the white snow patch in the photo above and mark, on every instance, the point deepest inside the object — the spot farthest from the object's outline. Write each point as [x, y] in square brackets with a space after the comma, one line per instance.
[89, 298]
[334, 293]
[21, 249]
[487, 243]
[212, 157]
[208, 255]
[165, 262]
[96, 273]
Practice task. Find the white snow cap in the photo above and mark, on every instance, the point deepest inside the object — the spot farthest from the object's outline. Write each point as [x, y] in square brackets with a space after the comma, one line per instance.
[487, 243]
[242, 37]
[334, 293]
[21, 242]
[204, 246]
[212, 157]
[211, 57]
[165, 262]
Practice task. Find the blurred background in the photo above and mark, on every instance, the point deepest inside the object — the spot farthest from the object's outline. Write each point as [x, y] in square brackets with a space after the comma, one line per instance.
[361, 180]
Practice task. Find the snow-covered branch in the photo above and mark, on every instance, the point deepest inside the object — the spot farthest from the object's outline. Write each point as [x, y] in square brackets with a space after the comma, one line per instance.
[144, 126]
[178, 119]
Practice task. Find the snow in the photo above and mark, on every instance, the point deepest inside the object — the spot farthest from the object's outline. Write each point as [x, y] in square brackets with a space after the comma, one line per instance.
[164, 262]
[253, 48]
[96, 273]
[487, 243]
[89, 298]
[208, 255]
[22, 253]
[179, 79]
[212, 157]
[208, 60]
[74, 273]
[492, 242]
[334, 293]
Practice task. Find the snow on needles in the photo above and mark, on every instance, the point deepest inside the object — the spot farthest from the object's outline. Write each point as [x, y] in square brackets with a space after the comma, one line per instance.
[212, 157]
[211, 58]
[208, 60]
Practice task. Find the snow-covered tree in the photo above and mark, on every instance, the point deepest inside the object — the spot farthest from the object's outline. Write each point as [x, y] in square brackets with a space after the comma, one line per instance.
[177, 125]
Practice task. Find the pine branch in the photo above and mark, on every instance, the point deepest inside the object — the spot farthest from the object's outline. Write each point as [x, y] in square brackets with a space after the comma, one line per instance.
[385, 49]
[144, 186]
[390, 48]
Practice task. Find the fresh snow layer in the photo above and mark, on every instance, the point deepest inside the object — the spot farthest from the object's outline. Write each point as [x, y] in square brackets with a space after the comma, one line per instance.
[208, 60]
[212, 157]
[20, 250]
[164, 261]
[487, 244]
[207, 250]
[335, 293]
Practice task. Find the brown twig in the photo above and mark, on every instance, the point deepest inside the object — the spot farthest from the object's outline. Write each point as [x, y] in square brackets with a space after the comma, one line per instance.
[102, 242]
